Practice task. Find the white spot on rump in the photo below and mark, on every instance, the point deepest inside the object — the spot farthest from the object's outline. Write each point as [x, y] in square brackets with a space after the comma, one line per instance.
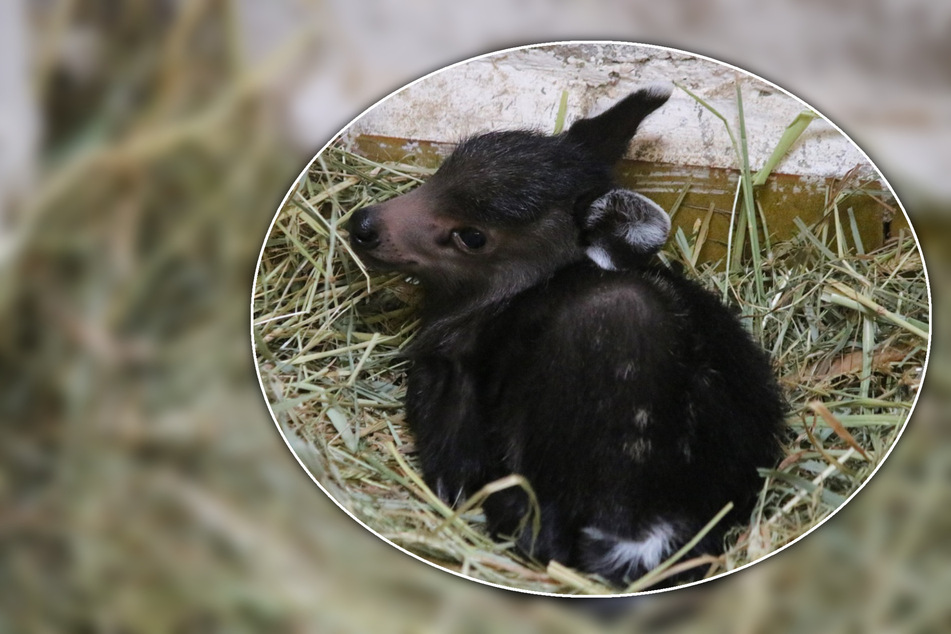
[642, 417]
[626, 554]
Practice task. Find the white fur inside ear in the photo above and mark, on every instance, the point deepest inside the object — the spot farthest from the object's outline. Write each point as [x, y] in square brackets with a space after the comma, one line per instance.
[600, 257]
[648, 229]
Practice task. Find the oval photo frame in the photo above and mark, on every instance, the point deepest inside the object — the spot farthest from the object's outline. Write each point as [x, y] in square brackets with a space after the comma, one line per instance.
[827, 274]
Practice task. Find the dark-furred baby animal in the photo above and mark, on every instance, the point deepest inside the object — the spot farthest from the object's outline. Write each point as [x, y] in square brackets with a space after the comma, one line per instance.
[553, 346]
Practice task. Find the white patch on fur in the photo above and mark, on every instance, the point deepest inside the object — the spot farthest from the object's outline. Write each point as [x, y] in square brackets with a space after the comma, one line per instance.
[600, 257]
[626, 554]
[642, 417]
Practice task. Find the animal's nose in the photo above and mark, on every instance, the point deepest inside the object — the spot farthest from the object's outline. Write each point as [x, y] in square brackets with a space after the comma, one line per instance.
[362, 227]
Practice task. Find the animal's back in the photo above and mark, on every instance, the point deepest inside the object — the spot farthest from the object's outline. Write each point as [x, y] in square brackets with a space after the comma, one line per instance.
[637, 407]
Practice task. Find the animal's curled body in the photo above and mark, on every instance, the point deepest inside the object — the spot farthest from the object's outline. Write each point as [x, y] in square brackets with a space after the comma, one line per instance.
[632, 401]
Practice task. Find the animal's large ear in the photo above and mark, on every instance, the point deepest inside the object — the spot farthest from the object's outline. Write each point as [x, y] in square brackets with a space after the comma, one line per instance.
[608, 134]
[623, 229]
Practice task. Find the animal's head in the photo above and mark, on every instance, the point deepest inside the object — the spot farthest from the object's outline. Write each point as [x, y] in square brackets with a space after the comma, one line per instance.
[505, 208]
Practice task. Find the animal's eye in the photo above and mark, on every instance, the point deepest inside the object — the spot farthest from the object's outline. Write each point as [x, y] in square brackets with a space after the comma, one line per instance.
[471, 238]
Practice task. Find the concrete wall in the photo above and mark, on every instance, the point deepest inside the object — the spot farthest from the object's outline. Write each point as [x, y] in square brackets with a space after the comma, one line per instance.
[522, 89]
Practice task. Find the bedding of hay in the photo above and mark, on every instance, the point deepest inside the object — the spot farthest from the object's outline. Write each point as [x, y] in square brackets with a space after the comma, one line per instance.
[847, 330]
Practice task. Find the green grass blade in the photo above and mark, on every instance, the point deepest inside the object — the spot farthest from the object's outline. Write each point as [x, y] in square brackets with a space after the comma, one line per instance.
[562, 112]
[749, 208]
[790, 135]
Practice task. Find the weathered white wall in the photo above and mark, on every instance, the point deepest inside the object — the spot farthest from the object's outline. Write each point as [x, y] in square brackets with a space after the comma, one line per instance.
[522, 89]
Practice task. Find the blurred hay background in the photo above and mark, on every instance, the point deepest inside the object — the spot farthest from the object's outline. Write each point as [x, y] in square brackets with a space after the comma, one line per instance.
[143, 485]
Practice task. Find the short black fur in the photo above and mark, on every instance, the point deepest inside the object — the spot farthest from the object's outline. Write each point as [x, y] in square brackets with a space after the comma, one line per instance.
[633, 402]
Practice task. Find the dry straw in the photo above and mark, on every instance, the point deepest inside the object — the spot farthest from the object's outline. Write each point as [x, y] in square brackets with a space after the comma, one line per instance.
[846, 327]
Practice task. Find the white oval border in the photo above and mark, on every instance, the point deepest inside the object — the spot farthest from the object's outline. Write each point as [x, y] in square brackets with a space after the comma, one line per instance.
[336, 136]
